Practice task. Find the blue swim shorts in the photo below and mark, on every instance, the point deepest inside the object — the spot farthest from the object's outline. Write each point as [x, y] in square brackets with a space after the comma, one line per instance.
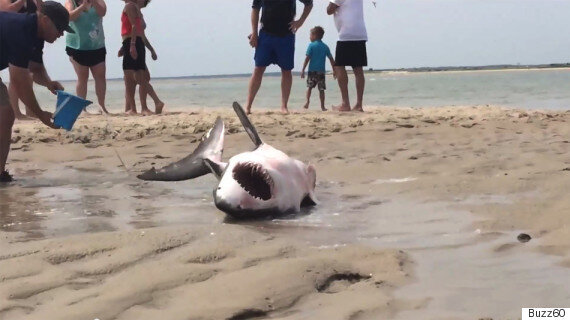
[275, 50]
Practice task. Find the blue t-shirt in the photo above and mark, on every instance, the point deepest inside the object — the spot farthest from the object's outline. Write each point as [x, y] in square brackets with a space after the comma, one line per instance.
[318, 52]
[18, 39]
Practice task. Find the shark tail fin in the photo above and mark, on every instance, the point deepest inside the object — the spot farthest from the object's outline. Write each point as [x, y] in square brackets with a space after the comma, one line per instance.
[193, 166]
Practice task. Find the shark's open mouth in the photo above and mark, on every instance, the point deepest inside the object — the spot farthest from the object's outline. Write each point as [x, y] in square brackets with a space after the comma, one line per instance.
[254, 179]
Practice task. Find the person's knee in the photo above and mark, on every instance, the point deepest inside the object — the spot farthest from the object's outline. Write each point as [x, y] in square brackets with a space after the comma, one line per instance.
[82, 78]
[258, 71]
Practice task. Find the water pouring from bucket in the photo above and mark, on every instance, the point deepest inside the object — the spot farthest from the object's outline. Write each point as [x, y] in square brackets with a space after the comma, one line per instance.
[68, 109]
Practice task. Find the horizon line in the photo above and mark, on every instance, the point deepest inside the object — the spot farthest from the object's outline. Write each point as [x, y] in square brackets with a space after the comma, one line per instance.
[411, 70]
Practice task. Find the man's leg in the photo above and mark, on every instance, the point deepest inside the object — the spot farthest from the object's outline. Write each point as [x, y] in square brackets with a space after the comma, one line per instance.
[360, 84]
[306, 106]
[286, 83]
[342, 78]
[254, 84]
[6, 123]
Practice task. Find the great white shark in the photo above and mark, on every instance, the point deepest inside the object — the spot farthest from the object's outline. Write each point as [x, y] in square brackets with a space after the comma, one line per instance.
[262, 182]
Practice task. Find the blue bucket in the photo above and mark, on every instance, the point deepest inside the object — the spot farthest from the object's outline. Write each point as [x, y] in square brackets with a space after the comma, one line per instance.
[68, 109]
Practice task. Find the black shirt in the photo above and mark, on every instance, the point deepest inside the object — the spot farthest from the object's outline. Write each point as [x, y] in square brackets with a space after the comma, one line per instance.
[277, 14]
[18, 39]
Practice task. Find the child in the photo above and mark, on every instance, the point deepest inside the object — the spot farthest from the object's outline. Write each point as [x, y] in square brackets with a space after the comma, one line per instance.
[317, 53]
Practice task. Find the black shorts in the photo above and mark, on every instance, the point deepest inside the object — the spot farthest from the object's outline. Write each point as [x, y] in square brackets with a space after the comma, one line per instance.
[87, 58]
[128, 62]
[351, 53]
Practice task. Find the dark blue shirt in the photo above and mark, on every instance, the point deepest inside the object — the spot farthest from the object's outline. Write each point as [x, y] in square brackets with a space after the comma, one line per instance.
[18, 39]
[277, 14]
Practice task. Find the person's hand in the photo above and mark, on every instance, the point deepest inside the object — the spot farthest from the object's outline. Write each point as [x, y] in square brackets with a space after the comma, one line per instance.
[121, 52]
[295, 25]
[54, 86]
[85, 5]
[153, 55]
[334, 73]
[303, 74]
[253, 38]
[133, 51]
[46, 118]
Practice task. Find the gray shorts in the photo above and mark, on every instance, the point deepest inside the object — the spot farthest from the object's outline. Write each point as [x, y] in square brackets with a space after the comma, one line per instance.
[316, 79]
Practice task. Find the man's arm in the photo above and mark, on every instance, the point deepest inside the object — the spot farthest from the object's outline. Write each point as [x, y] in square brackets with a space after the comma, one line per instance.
[254, 27]
[333, 63]
[41, 77]
[7, 5]
[296, 25]
[331, 9]
[20, 77]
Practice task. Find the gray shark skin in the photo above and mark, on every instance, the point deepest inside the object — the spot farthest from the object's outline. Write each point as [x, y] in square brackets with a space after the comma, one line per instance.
[260, 183]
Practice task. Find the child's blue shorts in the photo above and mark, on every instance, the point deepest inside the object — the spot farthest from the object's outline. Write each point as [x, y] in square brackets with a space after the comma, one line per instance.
[275, 50]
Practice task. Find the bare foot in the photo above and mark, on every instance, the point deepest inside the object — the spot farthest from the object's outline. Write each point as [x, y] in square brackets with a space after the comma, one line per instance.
[131, 112]
[23, 117]
[147, 112]
[284, 111]
[92, 111]
[105, 111]
[357, 108]
[324, 109]
[306, 106]
[158, 107]
[341, 108]
[248, 110]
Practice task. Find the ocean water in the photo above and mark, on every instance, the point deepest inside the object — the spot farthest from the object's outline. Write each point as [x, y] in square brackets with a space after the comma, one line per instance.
[531, 89]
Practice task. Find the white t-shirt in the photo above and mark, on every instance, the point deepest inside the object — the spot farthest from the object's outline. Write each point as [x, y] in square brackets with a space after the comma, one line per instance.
[349, 20]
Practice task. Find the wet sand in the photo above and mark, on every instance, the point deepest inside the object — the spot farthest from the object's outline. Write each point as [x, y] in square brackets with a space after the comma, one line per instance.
[419, 216]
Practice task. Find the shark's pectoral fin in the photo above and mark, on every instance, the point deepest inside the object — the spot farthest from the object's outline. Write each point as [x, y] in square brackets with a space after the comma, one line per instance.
[216, 167]
[192, 166]
[249, 128]
[309, 200]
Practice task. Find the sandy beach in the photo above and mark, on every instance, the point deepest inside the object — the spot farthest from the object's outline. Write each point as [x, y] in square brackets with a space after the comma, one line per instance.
[419, 217]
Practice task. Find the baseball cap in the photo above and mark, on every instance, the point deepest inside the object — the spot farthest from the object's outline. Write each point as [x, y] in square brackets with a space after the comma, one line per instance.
[58, 15]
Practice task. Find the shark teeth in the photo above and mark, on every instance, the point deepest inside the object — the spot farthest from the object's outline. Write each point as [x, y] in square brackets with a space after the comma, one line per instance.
[254, 179]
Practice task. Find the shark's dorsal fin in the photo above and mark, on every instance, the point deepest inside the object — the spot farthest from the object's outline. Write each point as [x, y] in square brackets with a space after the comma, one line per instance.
[249, 128]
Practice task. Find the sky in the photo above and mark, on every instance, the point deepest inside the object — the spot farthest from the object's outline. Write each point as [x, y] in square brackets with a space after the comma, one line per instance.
[209, 37]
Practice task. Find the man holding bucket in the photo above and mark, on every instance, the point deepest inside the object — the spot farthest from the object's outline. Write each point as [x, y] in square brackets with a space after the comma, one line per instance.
[19, 34]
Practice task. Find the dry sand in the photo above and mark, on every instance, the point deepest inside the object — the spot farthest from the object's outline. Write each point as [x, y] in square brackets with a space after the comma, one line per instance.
[509, 169]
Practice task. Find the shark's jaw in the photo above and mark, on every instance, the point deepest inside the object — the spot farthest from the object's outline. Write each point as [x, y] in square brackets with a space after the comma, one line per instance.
[254, 179]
